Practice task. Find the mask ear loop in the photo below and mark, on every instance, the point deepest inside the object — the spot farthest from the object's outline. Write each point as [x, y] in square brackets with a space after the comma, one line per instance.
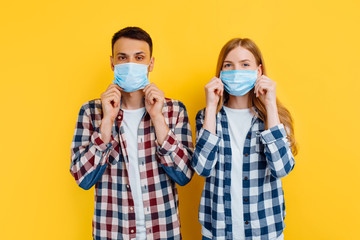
[148, 71]
[259, 68]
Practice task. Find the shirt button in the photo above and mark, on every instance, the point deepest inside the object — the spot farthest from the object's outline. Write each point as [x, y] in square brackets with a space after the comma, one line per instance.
[131, 208]
[245, 199]
[246, 154]
[132, 230]
[246, 222]
[127, 185]
[246, 178]
[119, 117]
[248, 136]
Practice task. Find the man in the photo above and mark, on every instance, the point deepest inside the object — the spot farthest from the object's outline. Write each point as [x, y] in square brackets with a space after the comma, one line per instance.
[133, 144]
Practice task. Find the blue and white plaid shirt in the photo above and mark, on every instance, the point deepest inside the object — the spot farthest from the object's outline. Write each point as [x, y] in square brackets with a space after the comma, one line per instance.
[267, 157]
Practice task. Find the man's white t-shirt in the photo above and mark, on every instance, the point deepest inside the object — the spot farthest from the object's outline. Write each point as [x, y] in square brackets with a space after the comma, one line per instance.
[131, 121]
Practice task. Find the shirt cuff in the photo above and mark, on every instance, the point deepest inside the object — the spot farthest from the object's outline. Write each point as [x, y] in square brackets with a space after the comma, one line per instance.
[273, 134]
[208, 140]
[99, 143]
[169, 145]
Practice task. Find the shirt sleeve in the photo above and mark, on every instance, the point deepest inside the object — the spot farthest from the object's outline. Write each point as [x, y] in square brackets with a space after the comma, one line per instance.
[278, 151]
[177, 149]
[89, 154]
[206, 148]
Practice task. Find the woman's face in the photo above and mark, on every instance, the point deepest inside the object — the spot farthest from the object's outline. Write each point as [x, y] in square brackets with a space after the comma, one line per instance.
[239, 59]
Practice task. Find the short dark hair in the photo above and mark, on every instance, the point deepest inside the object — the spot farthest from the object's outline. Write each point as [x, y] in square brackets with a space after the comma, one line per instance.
[133, 33]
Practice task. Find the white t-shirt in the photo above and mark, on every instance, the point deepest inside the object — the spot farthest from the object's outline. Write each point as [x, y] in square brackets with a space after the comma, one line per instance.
[131, 121]
[239, 121]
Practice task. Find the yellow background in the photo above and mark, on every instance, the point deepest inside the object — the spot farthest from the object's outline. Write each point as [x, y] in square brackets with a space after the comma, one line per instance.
[55, 56]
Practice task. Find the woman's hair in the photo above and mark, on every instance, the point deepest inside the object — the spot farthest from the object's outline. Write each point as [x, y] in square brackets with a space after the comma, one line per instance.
[284, 114]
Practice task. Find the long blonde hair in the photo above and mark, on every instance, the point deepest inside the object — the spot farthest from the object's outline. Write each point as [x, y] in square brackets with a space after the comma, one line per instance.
[284, 114]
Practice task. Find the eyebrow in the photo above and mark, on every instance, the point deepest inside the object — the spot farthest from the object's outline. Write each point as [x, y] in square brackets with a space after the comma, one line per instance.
[124, 54]
[244, 60]
[138, 53]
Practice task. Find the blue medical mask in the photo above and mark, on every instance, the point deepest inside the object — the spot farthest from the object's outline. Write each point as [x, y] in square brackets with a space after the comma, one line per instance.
[238, 82]
[131, 76]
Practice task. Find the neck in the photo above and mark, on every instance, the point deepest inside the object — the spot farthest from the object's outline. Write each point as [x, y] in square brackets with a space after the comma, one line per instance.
[132, 100]
[238, 102]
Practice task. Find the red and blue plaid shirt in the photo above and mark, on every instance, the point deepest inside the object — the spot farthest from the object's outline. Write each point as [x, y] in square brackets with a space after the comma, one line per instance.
[105, 165]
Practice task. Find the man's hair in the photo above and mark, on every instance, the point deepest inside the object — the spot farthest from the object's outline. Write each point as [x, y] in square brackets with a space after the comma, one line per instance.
[133, 33]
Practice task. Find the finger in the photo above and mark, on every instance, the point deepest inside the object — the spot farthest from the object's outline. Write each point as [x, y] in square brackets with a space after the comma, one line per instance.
[112, 86]
[151, 98]
[257, 93]
[148, 93]
[113, 100]
[215, 89]
[219, 86]
[146, 87]
[154, 90]
[149, 89]
[154, 97]
[113, 92]
[212, 81]
[263, 89]
[215, 81]
[150, 85]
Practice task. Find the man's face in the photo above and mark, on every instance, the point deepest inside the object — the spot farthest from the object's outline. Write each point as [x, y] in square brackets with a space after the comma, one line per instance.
[127, 50]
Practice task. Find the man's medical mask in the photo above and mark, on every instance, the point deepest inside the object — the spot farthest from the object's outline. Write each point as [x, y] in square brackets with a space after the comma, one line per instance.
[131, 76]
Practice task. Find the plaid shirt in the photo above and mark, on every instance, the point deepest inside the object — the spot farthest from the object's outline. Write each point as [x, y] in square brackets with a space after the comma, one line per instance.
[267, 157]
[105, 165]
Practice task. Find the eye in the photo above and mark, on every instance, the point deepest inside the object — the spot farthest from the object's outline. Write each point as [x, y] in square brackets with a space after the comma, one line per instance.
[246, 64]
[227, 65]
[139, 57]
[121, 58]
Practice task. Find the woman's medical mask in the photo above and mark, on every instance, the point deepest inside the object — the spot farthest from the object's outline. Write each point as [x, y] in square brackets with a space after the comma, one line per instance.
[131, 76]
[238, 82]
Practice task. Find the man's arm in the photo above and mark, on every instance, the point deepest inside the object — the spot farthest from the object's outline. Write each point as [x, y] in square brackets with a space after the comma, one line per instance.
[89, 153]
[175, 151]
[174, 146]
[91, 145]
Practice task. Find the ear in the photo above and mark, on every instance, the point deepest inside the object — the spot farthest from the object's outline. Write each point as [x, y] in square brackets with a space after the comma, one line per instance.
[260, 70]
[112, 62]
[151, 66]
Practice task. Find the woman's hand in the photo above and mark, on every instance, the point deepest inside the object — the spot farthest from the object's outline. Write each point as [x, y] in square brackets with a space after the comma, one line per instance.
[213, 91]
[265, 88]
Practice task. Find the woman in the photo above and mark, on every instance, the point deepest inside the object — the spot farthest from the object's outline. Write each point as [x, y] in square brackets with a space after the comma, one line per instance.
[245, 144]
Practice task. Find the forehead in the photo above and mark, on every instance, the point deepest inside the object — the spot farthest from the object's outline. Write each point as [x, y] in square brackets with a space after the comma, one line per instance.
[239, 53]
[131, 46]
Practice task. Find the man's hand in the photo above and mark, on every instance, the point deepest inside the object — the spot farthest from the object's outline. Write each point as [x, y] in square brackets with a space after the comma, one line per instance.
[110, 102]
[154, 101]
